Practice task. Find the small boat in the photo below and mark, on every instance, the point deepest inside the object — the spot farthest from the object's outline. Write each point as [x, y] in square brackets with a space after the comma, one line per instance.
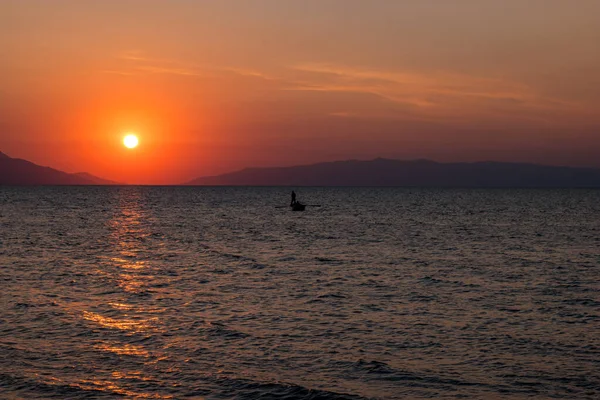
[297, 206]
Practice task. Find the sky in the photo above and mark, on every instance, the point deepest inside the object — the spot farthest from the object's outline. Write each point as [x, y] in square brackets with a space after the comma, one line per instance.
[215, 86]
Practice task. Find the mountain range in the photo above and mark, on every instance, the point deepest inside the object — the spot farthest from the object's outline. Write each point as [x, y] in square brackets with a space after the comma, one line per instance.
[15, 171]
[417, 173]
[377, 172]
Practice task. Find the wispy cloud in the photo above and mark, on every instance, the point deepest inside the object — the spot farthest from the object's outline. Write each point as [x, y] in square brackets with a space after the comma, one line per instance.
[137, 62]
[433, 93]
[416, 87]
[246, 72]
[166, 70]
[341, 114]
[441, 96]
[134, 55]
[117, 72]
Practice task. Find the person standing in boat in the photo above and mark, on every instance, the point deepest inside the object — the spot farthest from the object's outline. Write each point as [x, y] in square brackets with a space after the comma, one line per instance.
[293, 198]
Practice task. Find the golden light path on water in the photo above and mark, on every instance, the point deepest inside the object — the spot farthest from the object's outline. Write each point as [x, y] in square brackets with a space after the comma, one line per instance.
[131, 276]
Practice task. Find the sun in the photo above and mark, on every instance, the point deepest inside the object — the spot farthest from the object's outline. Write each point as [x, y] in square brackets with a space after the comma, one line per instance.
[130, 141]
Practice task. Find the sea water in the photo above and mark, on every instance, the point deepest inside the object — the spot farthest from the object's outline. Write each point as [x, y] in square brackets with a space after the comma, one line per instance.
[198, 292]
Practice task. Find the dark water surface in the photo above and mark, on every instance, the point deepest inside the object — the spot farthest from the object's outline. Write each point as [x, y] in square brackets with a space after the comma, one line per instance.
[149, 292]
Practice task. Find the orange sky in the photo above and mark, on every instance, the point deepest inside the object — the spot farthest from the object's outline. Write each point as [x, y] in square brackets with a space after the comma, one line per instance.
[213, 86]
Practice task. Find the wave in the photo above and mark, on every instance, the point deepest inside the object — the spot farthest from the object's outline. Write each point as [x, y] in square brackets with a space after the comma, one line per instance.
[17, 386]
[32, 388]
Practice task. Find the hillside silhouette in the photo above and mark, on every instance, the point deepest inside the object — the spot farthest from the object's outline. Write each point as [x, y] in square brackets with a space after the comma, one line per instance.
[15, 171]
[377, 172]
[416, 173]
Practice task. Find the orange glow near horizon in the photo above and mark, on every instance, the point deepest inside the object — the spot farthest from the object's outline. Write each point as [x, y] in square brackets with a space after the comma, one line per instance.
[208, 98]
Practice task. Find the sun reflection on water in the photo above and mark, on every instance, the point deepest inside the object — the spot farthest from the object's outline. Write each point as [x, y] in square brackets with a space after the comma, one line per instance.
[105, 385]
[120, 324]
[129, 274]
[121, 306]
[128, 308]
[126, 349]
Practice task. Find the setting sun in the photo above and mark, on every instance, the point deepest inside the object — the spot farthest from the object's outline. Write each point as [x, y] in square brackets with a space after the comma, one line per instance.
[130, 141]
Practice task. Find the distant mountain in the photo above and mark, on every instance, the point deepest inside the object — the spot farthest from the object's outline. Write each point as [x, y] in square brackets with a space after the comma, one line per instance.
[417, 173]
[95, 179]
[14, 171]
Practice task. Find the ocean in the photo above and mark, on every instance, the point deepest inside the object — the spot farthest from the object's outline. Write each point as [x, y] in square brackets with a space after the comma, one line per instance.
[219, 293]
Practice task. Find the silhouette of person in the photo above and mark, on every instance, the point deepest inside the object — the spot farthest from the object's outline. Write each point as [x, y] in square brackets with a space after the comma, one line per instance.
[293, 198]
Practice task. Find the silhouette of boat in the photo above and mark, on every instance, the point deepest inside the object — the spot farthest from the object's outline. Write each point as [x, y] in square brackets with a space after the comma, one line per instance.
[298, 206]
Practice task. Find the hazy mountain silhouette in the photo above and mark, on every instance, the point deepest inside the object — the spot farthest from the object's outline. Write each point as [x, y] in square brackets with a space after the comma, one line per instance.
[417, 173]
[95, 180]
[15, 171]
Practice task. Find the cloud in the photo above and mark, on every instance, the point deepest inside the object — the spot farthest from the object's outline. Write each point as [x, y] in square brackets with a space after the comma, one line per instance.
[428, 95]
[341, 114]
[166, 70]
[401, 86]
[246, 72]
[135, 62]
[436, 94]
